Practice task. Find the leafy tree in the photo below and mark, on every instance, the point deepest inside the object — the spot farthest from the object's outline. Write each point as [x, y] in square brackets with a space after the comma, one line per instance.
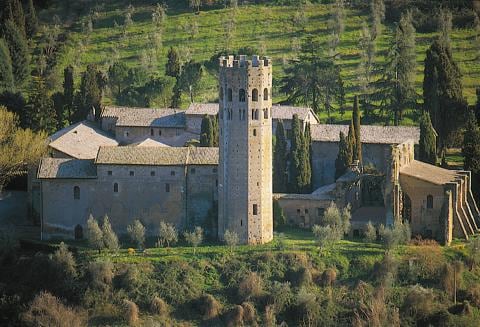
[64, 263]
[117, 77]
[167, 234]
[377, 15]
[443, 92]
[19, 52]
[190, 77]
[194, 238]
[206, 133]
[14, 12]
[42, 115]
[68, 92]
[172, 67]
[370, 233]
[31, 20]
[158, 91]
[15, 102]
[136, 231]
[110, 239]
[428, 140]
[231, 239]
[325, 236]
[280, 156]
[366, 68]
[94, 234]
[195, 4]
[6, 69]
[471, 152]
[344, 159]
[445, 25]
[357, 153]
[337, 25]
[279, 219]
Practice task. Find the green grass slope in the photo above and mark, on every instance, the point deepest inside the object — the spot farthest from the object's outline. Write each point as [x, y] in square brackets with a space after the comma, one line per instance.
[267, 28]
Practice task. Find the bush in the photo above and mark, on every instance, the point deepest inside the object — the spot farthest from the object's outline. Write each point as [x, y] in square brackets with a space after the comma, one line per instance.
[209, 307]
[94, 234]
[384, 271]
[194, 238]
[110, 239]
[136, 231]
[178, 282]
[231, 239]
[451, 277]
[269, 319]
[370, 233]
[250, 287]
[281, 295]
[473, 295]
[234, 317]
[419, 302]
[167, 234]
[130, 312]
[47, 310]
[249, 316]
[300, 277]
[64, 263]
[329, 276]
[101, 274]
[159, 307]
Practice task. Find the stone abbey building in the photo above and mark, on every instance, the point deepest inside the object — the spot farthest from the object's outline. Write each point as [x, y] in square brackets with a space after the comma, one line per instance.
[133, 164]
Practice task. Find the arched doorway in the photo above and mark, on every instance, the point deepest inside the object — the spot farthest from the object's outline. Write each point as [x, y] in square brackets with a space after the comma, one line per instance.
[407, 208]
[78, 232]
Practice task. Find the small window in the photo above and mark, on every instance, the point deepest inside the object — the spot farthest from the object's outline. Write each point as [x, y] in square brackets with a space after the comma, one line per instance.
[255, 209]
[172, 173]
[152, 132]
[159, 132]
[254, 132]
[126, 134]
[256, 114]
[193, 170]
[214, 170]
[241, 95]
[76, 193]
[110, 173]
[241, 222]
[152, 173]
[265, 94]
[320, 212]
[78, 232]
[298, 211]
[306, 211]
[132, 173]
[265, 113]
[221, 93]
[115, 188]
[216, 182]
[230, 95]
[167, 187]
[429, 201]
[255, 95]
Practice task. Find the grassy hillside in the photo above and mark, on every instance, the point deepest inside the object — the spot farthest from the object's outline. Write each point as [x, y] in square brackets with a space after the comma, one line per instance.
[268, 28]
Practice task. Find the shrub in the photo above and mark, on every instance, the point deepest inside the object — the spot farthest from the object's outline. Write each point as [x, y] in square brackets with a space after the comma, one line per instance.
[451, 277]
[64, 263]
[325, 236]
[419, 302]
[370, 233]
[300, 277]
[47, 310]
[329, 276]
[231, 239]
[473, 295]
[159, 307]
[94, 234]
[209, 307]
[234, 317]
[110, 239]
[269, 319]
[136, 231]
[101, 274]
[249, 316]
[281, 295]
[385, 270]
[178, 282]
[194, 238]
[250, 287]
[130, 312]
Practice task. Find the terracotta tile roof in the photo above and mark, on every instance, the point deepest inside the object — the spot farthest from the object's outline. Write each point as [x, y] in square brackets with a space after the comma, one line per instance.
[428, 173]
[148, 142]
[66, 168]
[145, 117]
[202, 109]
[81, 140]
[161, 156]
[369, 133]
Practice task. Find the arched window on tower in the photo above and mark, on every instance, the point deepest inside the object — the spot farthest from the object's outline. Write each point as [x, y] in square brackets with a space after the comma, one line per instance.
[221, 93]
[230, 95]
[76, 193]
[265, 94]
[429, 201]
[115, 188]
[241, 95]
[255, 95]
[265, 113]
[256, 114]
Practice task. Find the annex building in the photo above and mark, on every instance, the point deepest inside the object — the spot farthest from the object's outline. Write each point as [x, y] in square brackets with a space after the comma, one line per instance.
[134, 164]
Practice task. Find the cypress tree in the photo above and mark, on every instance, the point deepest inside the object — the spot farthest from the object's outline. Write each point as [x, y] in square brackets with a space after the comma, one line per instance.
[280, 176]
[41, 111]
[428, 140]
[6, 70]
[215, 131]
[68, 91]
[19, 53]
[442, 92]
[90, 95]
[351, 141]
[14, 12]
[471, 152]
[357, 154]
[206, 134]
[342, 162]
[172, 68]
[307, 159]
[31, 20]
[296, 144]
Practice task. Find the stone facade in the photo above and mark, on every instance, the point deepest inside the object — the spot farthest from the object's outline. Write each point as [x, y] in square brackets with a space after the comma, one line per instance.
[245, 172]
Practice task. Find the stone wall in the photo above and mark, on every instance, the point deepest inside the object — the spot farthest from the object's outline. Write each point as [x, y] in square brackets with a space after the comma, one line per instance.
[302, 212]
[127, 135]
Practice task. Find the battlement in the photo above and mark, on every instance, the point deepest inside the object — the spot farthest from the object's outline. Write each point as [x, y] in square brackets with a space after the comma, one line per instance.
[241, 61]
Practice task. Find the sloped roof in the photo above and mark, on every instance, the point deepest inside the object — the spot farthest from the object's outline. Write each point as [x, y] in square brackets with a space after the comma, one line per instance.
[66, 168]
[148, 142]
[161, 156]
[145, 117]
[369, 133]
[325, 193]
[81, 140]
[202, 109]
[428, 173]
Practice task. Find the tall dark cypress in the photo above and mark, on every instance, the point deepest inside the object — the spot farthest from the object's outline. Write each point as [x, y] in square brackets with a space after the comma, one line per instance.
[41, 111]
[280, 176]
[351, 141]
[428, 140]
[307, 157]
[343, 159]
[31, 20]
[471, 152]
[296, 147]
[14, 12]
[68, 91]
[215, 131]
[90, 94]
[206, 134]
[6, 70]
[357, 155]
[19, 52]
[172, 68]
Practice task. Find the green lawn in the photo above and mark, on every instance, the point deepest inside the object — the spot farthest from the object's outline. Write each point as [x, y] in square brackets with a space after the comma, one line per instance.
[268, 28]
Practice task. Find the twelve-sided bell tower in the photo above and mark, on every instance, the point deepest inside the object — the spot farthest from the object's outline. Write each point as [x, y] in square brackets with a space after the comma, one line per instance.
[245, 166]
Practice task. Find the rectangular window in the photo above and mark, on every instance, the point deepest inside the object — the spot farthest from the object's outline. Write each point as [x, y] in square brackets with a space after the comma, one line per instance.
[172, 173]
[192, 170]
[152, 173]
[159, 132]
[255, 209]
[109, 173]
[320, 212]
[214, 170]
[167, 187]
[306, 211]
[132, 173]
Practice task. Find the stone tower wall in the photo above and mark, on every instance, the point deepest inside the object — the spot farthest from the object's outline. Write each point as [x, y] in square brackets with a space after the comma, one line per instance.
[245, 168]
